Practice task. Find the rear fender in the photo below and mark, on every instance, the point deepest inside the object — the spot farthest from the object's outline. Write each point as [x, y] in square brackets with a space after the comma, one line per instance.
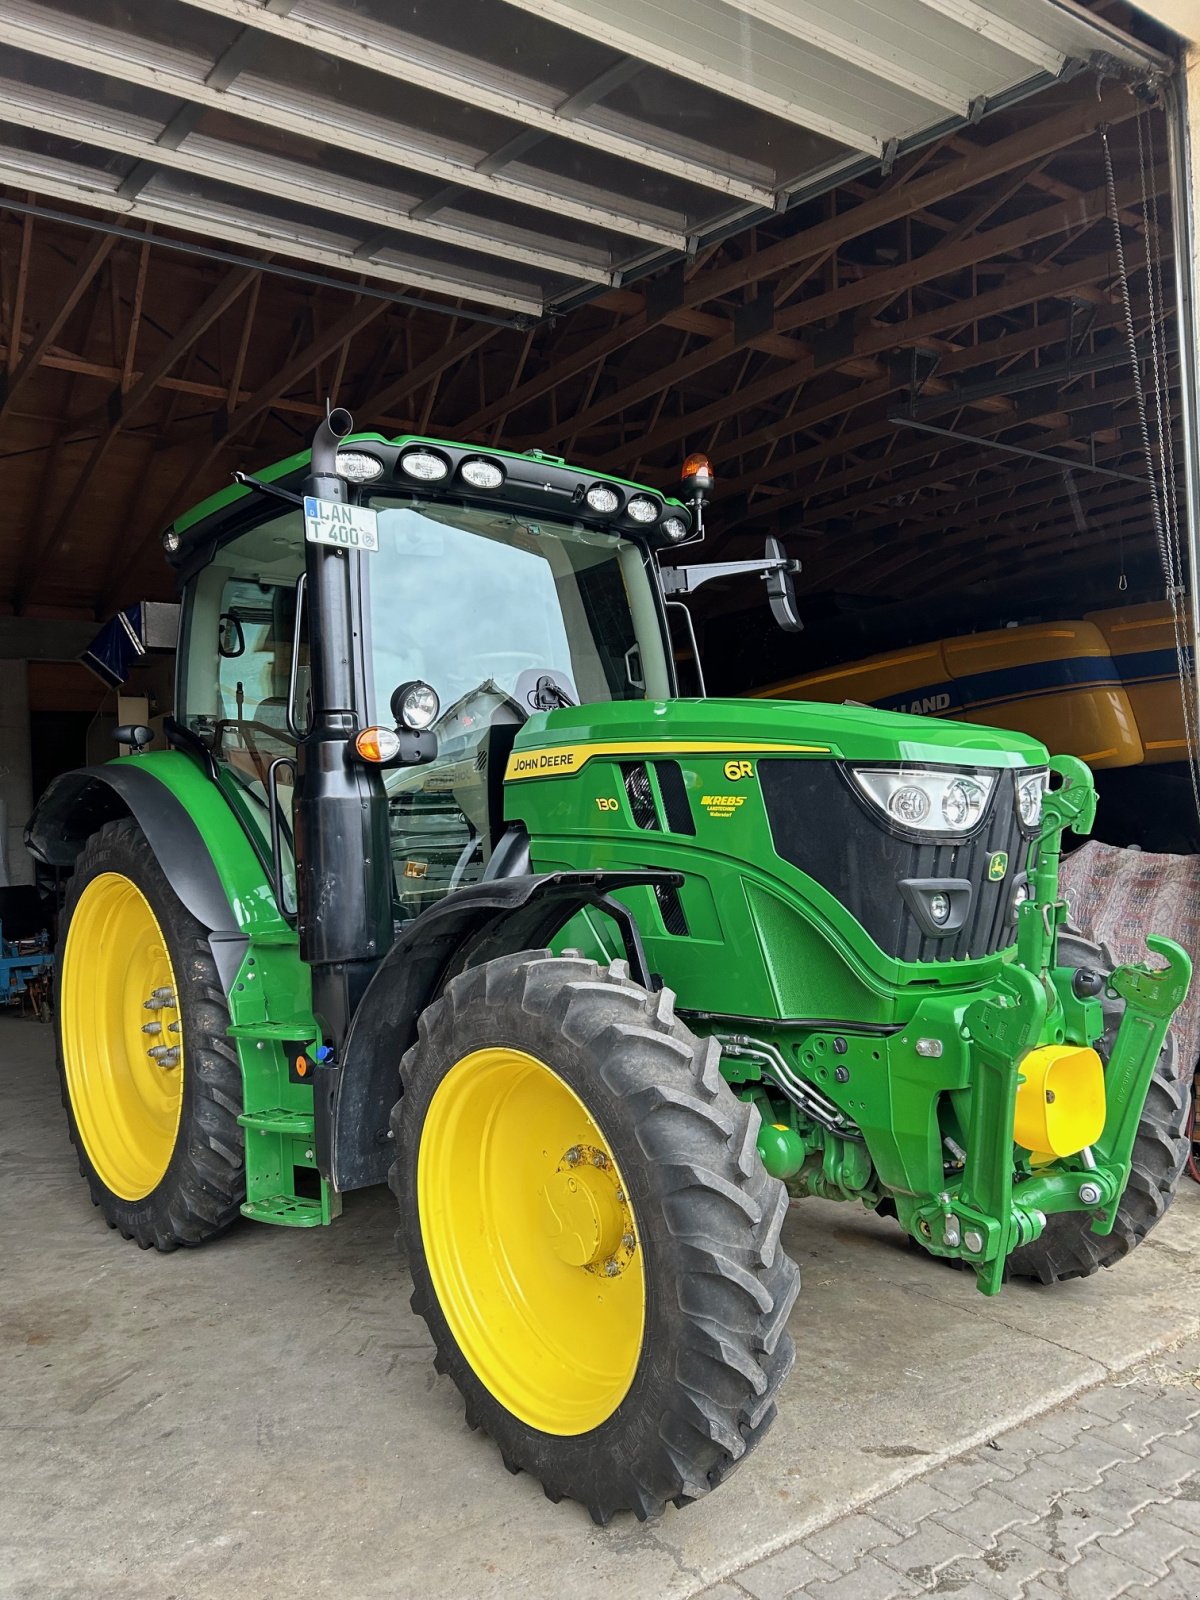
[354, 1096]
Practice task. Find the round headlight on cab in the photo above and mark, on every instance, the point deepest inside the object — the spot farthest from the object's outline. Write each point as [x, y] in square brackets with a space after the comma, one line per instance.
[674, 527]
[481, 473]
[426, 465]
[171, 541]
[415, 705]
[642, 509]
[603, 499]
[358, 466]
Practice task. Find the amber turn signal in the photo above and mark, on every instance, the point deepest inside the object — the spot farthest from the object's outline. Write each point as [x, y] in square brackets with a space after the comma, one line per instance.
[377, 744]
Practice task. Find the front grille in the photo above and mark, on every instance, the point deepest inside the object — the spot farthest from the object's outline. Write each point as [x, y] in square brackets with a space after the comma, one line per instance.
[822, 826]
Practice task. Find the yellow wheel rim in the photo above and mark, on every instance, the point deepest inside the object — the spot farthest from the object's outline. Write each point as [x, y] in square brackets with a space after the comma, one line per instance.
[126, 1101]
[531, 1241]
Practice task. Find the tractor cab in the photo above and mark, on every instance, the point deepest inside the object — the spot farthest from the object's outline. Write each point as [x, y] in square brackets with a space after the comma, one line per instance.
[529, 588]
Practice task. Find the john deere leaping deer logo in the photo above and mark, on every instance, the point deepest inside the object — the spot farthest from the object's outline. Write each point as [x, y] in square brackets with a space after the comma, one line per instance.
[998, 866]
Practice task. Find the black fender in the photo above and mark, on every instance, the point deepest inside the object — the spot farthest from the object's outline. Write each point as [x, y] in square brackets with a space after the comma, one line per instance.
[354, 1096]
[78, 803]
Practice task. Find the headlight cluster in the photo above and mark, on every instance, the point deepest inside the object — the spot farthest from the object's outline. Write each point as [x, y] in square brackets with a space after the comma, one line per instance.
[1030, 791]
[929, 802]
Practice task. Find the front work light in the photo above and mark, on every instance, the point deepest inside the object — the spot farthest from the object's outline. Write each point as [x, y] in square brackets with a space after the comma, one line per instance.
[482, 474]
[674, 527]
[603, 499]
[426, 465]
[415, 705]
[642, 509]
[357, 466]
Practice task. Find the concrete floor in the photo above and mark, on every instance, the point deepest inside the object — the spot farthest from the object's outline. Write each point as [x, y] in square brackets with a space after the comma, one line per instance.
[261, 1418]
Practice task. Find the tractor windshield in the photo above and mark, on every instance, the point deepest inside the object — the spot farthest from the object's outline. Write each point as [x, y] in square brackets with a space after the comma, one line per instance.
[486, 606]
[481, 604]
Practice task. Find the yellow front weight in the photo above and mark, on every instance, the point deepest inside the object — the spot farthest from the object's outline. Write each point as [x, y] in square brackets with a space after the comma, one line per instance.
[1060, 1102]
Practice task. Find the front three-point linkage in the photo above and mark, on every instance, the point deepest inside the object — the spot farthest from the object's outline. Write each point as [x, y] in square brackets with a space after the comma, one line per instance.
[1026, 1011]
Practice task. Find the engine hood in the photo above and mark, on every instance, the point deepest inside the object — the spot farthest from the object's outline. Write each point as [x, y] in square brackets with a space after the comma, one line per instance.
[561, 741]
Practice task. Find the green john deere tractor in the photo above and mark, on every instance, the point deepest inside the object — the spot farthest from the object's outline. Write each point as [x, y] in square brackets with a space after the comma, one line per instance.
[441, 883]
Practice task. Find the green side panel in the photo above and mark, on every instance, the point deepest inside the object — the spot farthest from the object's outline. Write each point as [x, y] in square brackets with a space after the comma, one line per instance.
[815, 958]
[270, 1006]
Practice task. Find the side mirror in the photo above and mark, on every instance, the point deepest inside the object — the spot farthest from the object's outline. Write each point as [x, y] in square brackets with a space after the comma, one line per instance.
[134, 734]
[781, 588]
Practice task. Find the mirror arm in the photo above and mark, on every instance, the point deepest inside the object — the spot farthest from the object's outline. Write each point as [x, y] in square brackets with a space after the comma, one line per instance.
[686, 580]
[249, 482]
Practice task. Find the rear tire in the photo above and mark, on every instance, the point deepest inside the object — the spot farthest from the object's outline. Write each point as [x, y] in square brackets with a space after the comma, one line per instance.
[713, 1287]
[160, 1185]
[1067, 1247]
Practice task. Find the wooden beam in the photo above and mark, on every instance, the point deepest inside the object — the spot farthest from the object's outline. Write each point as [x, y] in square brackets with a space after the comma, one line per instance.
[121, 410]
[135, 318]
[983, 165]
[1029, 286]
[89, 265]
[18, 302]
[306, 358]
[470, 340]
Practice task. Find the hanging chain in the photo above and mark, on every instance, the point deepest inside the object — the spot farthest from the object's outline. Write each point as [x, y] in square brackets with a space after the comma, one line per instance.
[1184, 644]
[1164, 506]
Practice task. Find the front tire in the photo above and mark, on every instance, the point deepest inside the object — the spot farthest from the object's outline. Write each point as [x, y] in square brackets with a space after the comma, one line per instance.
[593, 1239]
[157, 1137]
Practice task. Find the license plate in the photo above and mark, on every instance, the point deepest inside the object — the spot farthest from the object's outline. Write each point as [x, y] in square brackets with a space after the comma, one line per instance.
[346, 527]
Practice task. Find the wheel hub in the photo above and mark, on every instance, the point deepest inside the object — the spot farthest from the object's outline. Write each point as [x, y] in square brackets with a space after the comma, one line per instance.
[587, 1216]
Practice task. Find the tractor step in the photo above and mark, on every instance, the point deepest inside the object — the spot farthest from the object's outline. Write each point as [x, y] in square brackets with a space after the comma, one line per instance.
[286, 1211]
[299, 1124]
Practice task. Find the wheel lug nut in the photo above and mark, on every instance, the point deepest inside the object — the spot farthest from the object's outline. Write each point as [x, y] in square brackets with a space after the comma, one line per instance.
[573, 1156]
[620, 1197]
[611, 1269]
[151, 1027]
[600, 1159]
[627, 1241]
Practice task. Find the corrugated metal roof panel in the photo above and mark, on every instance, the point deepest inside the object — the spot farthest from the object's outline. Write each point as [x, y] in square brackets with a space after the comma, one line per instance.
[515, 153]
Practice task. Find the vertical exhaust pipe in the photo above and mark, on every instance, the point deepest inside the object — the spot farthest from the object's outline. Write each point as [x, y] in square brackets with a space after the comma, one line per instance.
[343, 862]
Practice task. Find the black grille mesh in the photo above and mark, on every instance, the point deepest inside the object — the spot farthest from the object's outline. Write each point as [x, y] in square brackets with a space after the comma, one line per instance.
[821, 825]
[671, 907]
[641, 795]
